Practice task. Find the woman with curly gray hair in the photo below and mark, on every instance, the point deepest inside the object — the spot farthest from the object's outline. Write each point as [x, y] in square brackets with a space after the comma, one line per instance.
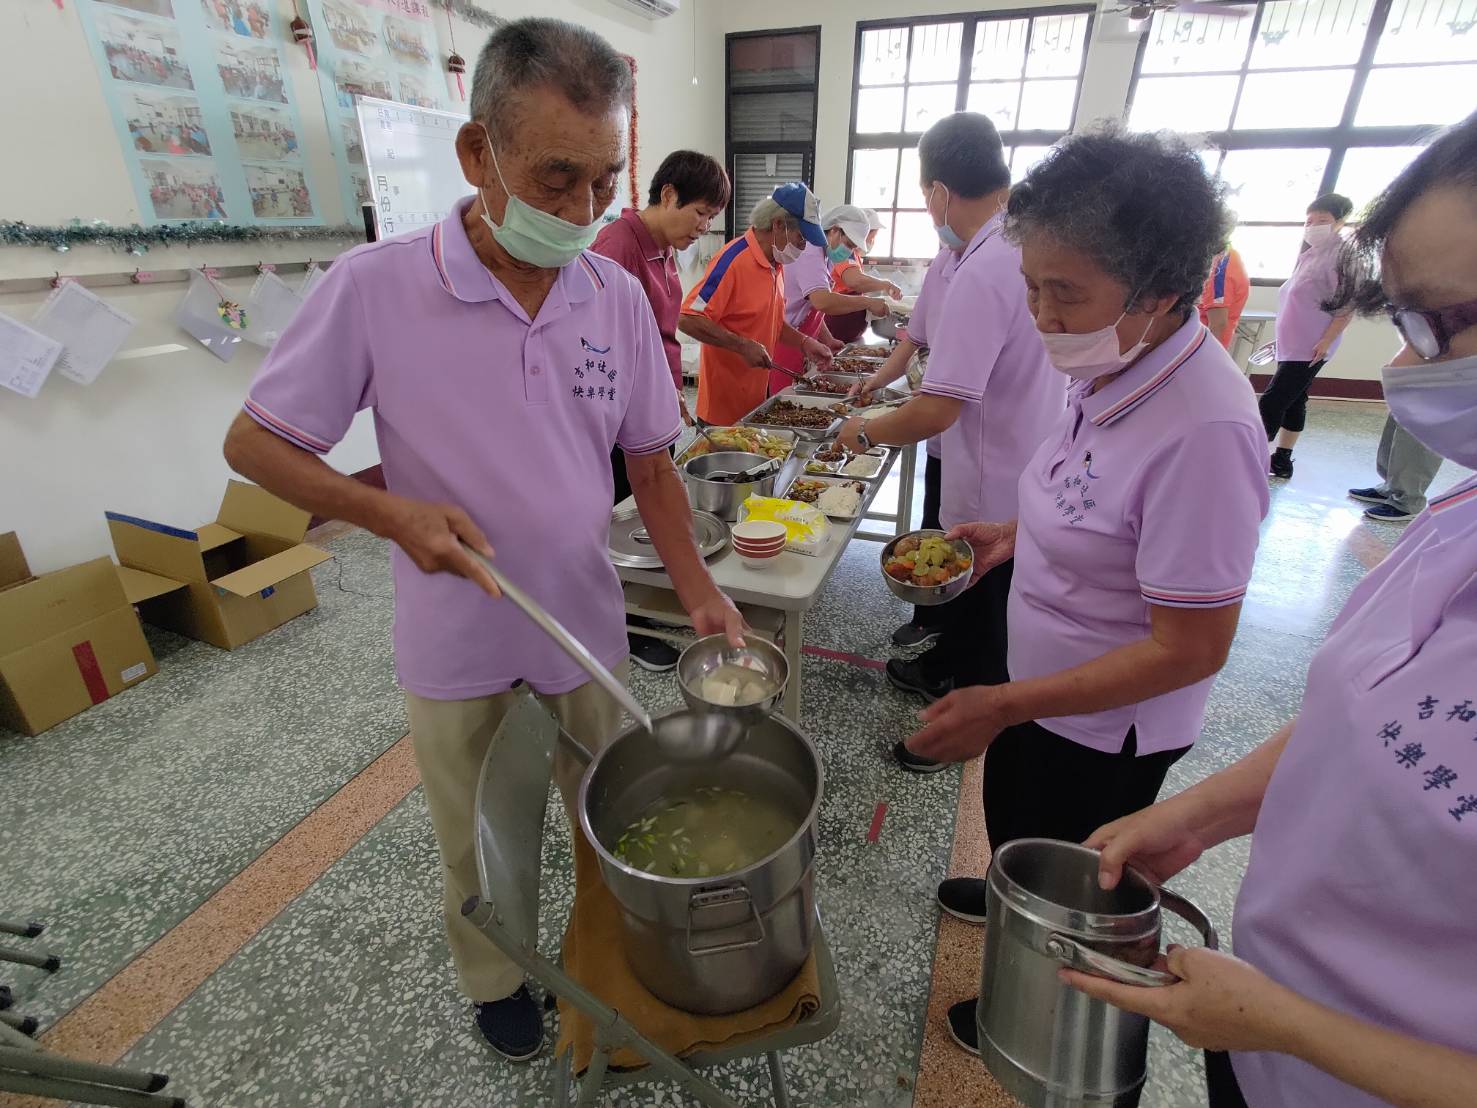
[1138, 513]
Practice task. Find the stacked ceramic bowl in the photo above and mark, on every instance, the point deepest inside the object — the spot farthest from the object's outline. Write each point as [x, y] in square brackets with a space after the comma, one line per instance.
[759, 542]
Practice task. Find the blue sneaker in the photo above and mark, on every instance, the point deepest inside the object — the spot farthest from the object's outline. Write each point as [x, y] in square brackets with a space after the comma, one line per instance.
[1371, 495]
[1388, 513]
[513, 1026]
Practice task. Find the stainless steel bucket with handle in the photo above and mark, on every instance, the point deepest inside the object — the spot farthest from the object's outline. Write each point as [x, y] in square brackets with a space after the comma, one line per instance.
[1048, 1044]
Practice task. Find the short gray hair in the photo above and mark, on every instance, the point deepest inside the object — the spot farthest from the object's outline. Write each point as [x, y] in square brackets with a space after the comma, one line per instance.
[767, 211]
[526, 53]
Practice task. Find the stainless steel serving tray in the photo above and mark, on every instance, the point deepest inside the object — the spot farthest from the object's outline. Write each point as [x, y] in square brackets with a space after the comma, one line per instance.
[630, 546]
[809, 434]
[847, 379]
[803, 457]
[699, 445]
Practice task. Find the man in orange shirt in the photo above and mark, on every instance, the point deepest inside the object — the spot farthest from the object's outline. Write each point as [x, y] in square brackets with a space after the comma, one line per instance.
[1224, 295]
[737, 311]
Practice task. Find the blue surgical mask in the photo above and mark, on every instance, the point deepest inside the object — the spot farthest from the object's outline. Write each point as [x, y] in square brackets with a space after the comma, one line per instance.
[838, 253]
[947, 235]
[535, 236]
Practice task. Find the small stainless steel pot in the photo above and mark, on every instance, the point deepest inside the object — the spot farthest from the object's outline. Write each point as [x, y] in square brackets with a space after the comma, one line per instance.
[723, 498]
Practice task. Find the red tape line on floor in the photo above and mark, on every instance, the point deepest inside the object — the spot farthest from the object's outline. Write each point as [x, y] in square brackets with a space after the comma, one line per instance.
[877, 817]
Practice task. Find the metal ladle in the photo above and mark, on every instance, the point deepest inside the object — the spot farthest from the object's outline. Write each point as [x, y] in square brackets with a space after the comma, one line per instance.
[685, 736]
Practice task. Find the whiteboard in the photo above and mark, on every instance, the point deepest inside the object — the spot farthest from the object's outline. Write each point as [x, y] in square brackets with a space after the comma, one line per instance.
[414, 175]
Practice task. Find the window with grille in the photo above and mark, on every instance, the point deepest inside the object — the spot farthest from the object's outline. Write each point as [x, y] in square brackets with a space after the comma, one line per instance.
[771, 95]
[1023, 69]
[1300, 97]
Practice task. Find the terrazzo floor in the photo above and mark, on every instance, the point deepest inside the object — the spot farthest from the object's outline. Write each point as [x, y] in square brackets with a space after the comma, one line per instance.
[174, 807]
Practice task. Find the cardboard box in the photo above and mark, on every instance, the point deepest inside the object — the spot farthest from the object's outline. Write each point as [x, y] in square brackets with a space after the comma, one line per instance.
[68, 640]
[226, 582]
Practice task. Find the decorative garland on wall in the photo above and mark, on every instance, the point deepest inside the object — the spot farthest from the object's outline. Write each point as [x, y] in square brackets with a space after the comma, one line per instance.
[137, 240]
[469, 11]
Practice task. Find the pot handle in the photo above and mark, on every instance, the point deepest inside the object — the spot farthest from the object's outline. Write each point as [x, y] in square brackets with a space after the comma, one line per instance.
[710, 899]
[1075, 955]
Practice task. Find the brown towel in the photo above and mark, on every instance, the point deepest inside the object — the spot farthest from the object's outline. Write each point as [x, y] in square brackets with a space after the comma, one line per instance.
[595, 957]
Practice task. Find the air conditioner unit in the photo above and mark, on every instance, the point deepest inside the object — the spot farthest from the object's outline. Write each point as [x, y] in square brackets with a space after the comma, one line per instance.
[652, 9]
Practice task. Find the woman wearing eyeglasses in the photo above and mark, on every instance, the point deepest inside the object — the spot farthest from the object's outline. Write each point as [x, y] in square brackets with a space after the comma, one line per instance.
[1357, 920]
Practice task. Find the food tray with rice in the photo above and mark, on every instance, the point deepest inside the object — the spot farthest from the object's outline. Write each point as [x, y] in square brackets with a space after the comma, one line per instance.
[772, 443]
[813, 418]
[833, 459]
[842, 498]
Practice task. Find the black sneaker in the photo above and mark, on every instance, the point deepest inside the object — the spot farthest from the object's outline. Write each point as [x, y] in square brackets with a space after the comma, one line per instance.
[1281, 464]
[963, 898]
[909, 676]
[963, 1028]
[915, 763]
[513, 1026]
[1388, 513]
[1370, 495]
[656, 655]
[914, 634]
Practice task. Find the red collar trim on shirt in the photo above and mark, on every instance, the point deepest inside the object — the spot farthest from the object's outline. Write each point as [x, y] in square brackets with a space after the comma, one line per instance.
[1462, 494]
[1121, 408]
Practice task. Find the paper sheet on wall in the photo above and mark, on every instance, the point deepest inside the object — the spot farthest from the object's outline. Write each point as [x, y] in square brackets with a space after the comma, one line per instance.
[26, 357]
[269, 309]
[200, 313]
[89, 328]
[311, 278]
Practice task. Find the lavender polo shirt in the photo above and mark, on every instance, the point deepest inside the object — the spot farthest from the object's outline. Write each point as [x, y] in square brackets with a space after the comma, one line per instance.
[1360, 892]
[802, 277]
[509, 418]
[1148, 491]
[1301, 320]
[930, 297]
[984, 349]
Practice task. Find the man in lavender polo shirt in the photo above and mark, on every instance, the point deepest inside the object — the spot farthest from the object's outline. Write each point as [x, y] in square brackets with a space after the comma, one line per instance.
[990, 394]
[502, 362]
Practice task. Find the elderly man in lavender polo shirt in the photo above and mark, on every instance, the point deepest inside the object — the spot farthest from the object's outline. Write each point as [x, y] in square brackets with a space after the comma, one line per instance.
[1357, 919]
[502, 362]
[1138, 514]
[989, 395]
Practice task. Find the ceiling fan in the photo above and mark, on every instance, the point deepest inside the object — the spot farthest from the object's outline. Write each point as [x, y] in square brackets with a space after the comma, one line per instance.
[1138, 11]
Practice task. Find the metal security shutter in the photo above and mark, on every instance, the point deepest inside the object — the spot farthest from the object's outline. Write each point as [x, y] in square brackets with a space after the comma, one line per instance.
[755, 176]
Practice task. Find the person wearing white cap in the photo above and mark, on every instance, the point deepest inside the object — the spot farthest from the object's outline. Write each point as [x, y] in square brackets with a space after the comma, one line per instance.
[810, 299]
[860, 227]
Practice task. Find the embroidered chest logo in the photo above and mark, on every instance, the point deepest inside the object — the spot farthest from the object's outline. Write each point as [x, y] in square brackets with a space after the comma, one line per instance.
[594, 375]
[1074, 497]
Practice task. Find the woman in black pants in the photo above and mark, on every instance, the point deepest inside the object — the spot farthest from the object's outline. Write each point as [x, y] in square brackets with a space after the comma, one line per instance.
[1307, 334]
[1138, 514]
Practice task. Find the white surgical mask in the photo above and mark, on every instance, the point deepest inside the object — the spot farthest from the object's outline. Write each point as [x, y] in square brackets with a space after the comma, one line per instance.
[1094, 353]
[947, 235]
[1318, 234]
[788, 254]
[1437, 403]
[535, 236]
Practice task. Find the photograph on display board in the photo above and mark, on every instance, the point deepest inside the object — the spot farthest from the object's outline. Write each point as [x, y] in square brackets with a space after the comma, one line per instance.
[414, 91]
[353, 145]
[263, 132]
[351, 28]
[362, 192]
[143, 52]
[360, 79]
[251, 72]
[242, 17]
[164, 123]
[148, 7]
[184, 189]
[278, 192]
[405, 42]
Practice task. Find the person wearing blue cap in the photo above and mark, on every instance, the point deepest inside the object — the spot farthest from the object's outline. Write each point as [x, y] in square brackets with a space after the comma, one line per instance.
[737, 311]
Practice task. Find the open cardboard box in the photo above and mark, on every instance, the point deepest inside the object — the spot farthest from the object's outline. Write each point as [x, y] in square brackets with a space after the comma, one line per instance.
[226, 582]
[68, 640]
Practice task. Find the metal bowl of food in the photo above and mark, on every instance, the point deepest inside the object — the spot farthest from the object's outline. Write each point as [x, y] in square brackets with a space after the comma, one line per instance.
[924, 567]
[723, 497]
[745, 682]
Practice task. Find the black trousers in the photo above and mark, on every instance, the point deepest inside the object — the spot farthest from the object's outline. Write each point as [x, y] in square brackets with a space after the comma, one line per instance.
[933, 480]
[971, 648]
[848, 327]
[1040, 785]
[1221, 1087]
[1285, 403]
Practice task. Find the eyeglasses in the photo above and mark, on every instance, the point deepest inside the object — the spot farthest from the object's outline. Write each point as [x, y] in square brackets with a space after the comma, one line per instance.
[1430, 333]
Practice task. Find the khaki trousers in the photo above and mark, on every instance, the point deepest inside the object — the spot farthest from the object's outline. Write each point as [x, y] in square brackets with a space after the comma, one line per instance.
[451, 738]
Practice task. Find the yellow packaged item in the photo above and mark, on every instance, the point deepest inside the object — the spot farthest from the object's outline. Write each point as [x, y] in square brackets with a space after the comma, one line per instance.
[806, 525]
